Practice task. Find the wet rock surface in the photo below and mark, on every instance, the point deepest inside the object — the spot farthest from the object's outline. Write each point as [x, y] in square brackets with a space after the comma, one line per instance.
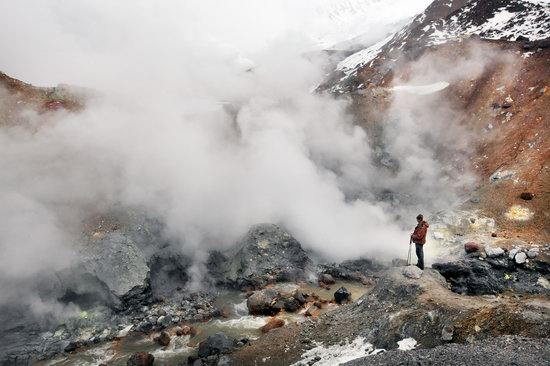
[141, 359]
[342, 295]
[267, 254]
[216, 344]
[498, 351]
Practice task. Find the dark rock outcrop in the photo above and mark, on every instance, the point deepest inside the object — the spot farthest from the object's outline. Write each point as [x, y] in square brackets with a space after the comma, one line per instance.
[267, 254]
[216, 344]
[472, 276]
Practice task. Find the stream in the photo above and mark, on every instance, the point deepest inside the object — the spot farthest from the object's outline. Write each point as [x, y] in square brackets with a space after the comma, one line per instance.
[238, 324]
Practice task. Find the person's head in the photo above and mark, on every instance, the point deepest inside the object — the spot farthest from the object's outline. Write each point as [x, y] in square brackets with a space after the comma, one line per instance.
[419, 218]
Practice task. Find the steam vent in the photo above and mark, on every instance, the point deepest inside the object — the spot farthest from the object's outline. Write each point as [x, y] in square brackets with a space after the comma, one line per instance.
[275, 182]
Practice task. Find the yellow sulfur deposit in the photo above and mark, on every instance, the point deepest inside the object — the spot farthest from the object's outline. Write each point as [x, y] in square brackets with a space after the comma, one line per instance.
[519, 213]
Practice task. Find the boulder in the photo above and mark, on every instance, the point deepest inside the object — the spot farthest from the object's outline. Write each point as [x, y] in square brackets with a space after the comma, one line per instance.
[141, 359]
[326, 278]
[267, 254]
[117, 262]
[533, 252]
[216, 344]
[164, 321]
[471, 277]
[163, 339]
[493, 252]
[471, 247]
[273, 324]
[183, 331]
[520, 258]
[342, 295]
[263, 302]
[412, 272]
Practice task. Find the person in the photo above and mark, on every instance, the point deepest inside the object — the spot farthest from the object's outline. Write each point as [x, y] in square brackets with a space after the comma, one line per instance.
[418, 237]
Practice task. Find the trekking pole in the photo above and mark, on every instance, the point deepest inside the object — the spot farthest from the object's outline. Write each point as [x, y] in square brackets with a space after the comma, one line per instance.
[409, 259]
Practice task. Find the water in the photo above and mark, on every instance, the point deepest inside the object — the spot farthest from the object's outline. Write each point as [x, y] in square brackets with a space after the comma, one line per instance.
[237, 325]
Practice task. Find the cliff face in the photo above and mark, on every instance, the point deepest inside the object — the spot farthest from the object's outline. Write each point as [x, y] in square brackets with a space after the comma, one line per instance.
[502, 108]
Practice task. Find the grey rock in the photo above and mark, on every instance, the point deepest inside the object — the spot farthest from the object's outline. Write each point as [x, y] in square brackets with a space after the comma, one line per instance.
[520, 258]
[533, 252]
[263, 302]
[266, 254]
[412, 272]
[506, 350]
[447, 333]
[493, 252]
[216, 344]
[117, 263]
[164, 321]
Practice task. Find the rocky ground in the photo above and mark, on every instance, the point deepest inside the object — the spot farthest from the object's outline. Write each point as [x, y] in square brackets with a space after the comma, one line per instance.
[484, 298]
[499, 351]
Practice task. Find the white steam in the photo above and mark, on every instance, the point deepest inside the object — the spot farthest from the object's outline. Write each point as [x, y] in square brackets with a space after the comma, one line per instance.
[203, 114]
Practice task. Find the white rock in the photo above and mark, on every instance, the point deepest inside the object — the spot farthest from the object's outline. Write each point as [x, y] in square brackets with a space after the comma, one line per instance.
[544, 283]
[447, 334]
[493, 252]
[438, 236]
[521, 257]
[513, 253]
[533, 252]
[124, 331]
[412, 272]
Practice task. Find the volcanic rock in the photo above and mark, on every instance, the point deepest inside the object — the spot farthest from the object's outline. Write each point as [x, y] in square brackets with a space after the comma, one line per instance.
[520, 258]
[273, 324]
[266, 254]
[472, 247]
[163, 339]
[493, 252]
[326, 278]
[216, 344]
[342, 295]
[117, 262]
[472, 277]
[262, 302]
[141, 359]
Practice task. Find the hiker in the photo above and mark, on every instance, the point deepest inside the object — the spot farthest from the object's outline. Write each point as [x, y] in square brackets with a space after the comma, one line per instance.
[418, 237]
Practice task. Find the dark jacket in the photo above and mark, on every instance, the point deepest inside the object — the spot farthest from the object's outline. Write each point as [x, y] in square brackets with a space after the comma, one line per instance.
[420, 231]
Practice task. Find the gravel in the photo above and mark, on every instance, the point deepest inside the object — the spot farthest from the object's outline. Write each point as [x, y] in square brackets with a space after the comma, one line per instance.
[507, 350]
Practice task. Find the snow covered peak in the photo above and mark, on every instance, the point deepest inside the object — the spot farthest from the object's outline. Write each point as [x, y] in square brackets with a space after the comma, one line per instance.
[448, 20]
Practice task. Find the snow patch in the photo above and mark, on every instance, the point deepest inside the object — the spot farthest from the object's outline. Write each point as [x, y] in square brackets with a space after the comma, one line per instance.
[338, 353]
[422, 89]
[407, 344]
[352, 63]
